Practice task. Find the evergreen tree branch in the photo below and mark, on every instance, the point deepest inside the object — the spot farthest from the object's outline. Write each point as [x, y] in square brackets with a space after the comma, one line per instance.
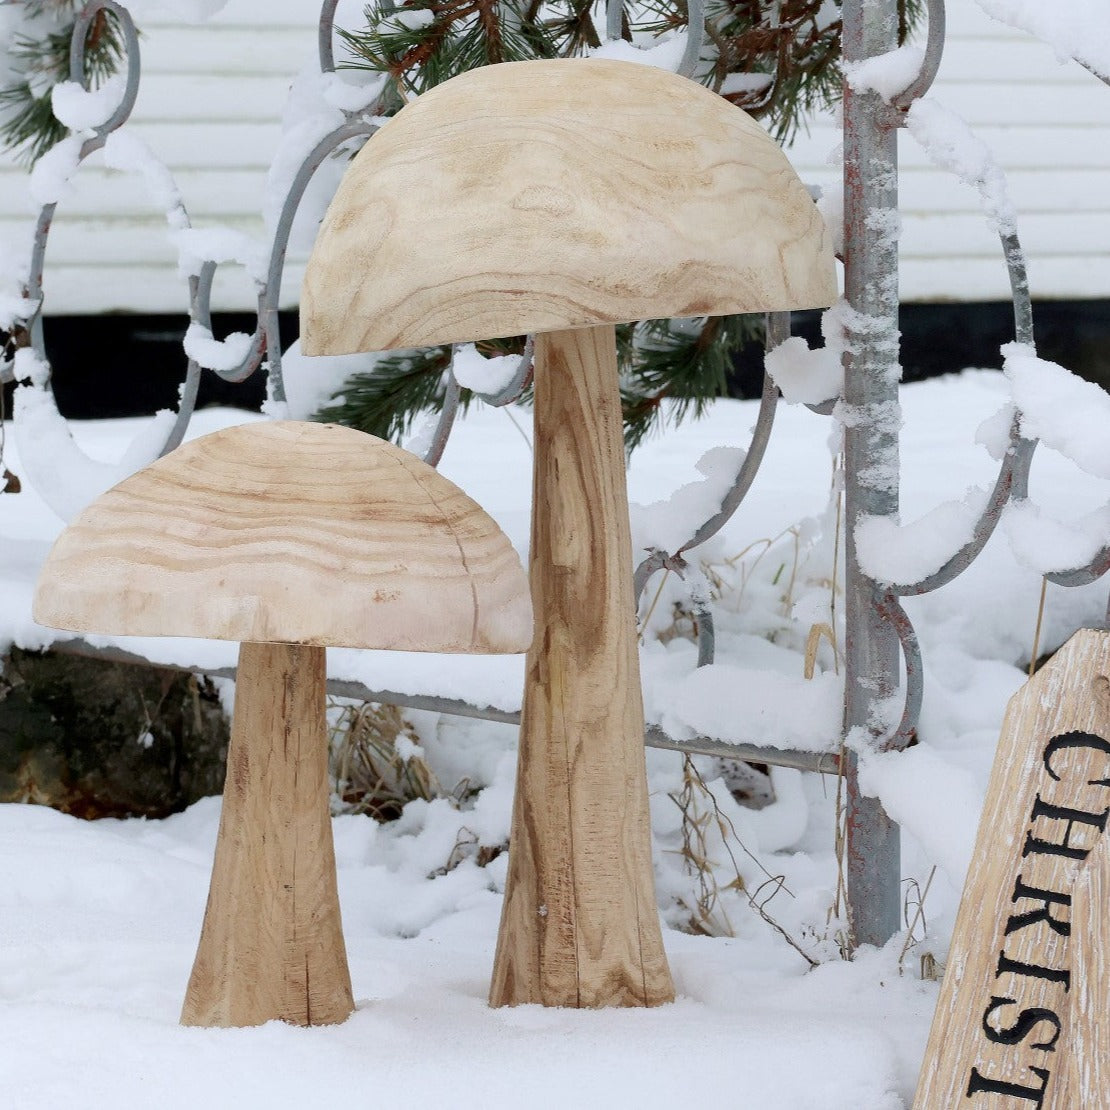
[686, 363]
[39, 59]
[386, 400]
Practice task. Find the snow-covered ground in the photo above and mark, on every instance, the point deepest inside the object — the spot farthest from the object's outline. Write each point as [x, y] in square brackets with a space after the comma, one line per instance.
[99, 922]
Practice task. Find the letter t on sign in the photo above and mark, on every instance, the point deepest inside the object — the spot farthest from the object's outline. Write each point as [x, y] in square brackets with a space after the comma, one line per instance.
[1034, 922]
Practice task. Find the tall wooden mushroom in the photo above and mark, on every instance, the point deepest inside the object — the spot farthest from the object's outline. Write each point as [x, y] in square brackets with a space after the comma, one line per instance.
[285, 537]
[561, 198]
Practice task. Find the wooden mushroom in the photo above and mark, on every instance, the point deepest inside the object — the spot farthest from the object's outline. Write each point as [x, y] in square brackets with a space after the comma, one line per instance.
[561, 198]
[285, 537]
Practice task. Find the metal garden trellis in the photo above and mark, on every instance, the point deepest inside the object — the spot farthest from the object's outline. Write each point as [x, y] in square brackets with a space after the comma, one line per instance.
[880, 642]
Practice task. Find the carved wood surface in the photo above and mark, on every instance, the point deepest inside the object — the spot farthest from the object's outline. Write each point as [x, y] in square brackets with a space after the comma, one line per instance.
[272, 942]
[1003, 1033]
[290, 531]
[534, 196]
[1088, 1073]
[580, 925]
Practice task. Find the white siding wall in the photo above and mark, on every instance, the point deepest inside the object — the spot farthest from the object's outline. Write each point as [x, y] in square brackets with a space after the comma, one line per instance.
[212, 95]
[1048, 124]
[209, 105]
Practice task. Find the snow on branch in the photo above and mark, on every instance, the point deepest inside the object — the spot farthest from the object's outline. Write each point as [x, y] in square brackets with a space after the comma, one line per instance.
[886, 74]
[216, 354]
[1046, 544]
[124, 151]
[62, 474]
[484, 375]
[811, 376]
[667, 525]
[894, 554]
[1076, 29]
[1060, 409]
[84, 110]
[1070, 416]
[51, 177]
[949, 143]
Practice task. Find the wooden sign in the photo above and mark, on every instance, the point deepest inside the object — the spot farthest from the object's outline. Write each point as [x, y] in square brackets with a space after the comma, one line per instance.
[1088, 1076]
[1025, 986]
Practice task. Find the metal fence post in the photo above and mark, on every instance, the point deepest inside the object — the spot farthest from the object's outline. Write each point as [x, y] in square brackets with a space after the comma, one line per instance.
[869, 413]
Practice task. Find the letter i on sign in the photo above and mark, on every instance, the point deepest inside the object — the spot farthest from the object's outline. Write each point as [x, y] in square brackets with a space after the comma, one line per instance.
[1022, 1018]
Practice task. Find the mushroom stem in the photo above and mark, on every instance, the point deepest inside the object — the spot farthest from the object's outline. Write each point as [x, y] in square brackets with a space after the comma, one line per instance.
[272, 943]
[580, 925]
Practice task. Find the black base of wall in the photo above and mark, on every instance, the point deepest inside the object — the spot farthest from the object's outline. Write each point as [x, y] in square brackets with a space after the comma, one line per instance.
[107, 366]
[945, 338]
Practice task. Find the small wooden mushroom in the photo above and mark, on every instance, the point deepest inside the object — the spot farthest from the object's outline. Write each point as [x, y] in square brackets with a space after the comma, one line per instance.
[560, 198]
[286, 537]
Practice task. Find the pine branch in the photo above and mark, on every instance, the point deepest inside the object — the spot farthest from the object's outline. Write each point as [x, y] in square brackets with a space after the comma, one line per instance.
[28, 126]
[684, 362]
[426, 42]
[386, 400]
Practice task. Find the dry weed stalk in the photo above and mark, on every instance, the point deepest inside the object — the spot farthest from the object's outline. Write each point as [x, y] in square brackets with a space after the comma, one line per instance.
[468, 845]
[813, 641]
[1037, 631]
[721, 576]
[368, 772]
[697, 824]
[840, 898]
[915, 897]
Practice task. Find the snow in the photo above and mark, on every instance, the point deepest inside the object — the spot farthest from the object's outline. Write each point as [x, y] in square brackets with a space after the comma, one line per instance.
[65, 477]
[316, 106]
[196, 245]
[1075, 28]
[126, 151]
[893, 553]
[50, 179]
[99, 921]
[748, 83]
[807, 376]
[886, 74]
[910, 783]
[82, 109]
[310, 383]
[1045, 543]
[483, 375]
[411, 19]
[668, 524]
[666, 54]
[722, 700]
[216, 354]
[1060, 409]
[950, 144]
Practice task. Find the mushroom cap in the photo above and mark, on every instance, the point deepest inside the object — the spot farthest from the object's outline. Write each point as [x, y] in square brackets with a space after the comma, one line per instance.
[542, 195]
[290, 532]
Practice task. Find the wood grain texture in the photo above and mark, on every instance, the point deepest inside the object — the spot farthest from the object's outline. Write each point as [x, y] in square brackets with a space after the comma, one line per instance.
[540, 195]
[1086, 1081]
[292, 532]
[580, 925]
[272, 943]
[1003, 1032]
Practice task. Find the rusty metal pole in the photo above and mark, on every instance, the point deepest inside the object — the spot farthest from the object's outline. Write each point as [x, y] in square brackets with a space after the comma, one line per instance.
[870, 415]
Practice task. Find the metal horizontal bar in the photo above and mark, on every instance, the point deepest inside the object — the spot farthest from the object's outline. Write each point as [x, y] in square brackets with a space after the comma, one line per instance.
[827, 763]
